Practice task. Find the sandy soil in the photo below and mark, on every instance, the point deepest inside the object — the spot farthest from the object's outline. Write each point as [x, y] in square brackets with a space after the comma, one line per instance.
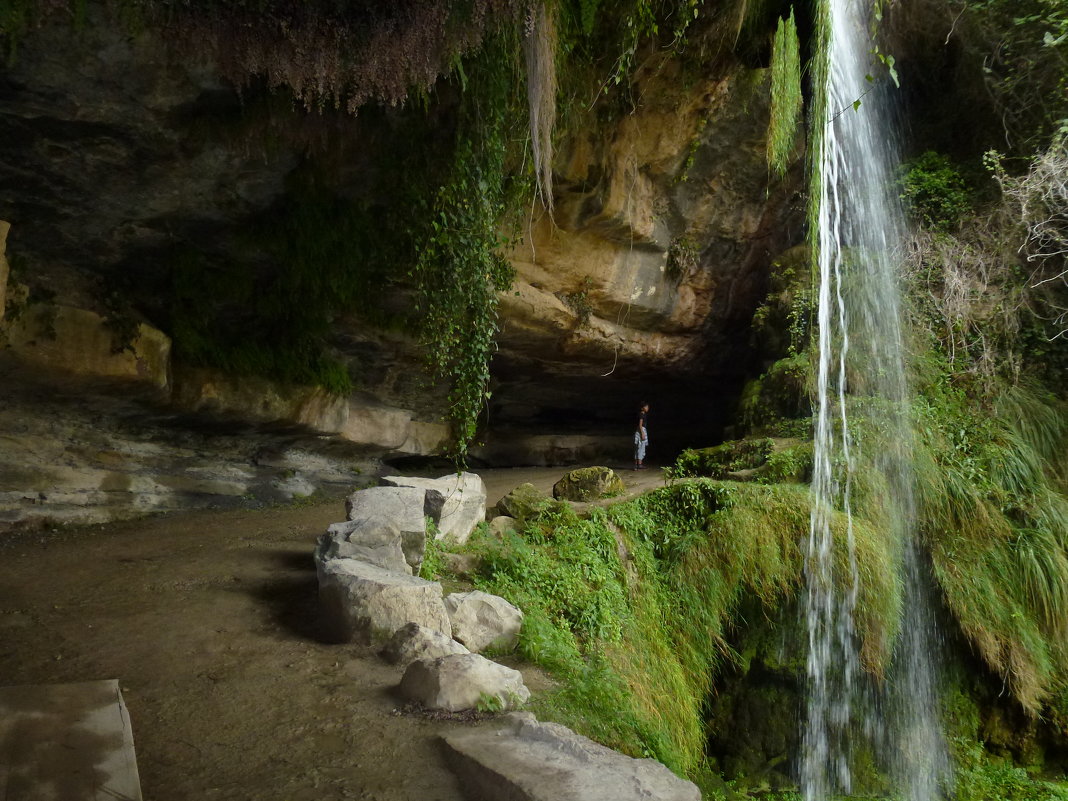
[209, 620]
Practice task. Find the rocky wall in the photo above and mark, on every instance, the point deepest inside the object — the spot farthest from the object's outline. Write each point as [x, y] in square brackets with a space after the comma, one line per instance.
[640, 285]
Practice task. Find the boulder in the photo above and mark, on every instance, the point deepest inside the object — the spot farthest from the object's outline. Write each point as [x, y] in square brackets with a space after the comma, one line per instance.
[463, 681]
[588, 484]
[376, 541]
[501, 525]
[462, 565]
[366, 603]
[480, 620]
[522, 502]
[525, 760]
[407, 508]
[464, 505]
[413, 642]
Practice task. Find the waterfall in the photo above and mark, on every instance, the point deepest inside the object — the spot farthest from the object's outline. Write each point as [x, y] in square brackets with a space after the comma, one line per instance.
[861, 366]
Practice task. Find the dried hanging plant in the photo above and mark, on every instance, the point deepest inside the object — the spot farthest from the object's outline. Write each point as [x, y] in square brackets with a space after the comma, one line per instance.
[539, 47]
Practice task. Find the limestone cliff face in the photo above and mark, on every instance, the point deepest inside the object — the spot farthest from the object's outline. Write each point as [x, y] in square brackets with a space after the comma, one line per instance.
[642, 282]
[656, 223]
[645, 278]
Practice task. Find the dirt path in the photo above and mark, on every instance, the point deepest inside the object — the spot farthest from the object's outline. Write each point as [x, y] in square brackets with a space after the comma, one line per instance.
[209, 621]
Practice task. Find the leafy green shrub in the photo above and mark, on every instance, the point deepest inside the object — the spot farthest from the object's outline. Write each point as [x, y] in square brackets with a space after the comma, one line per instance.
[982, 778]
[791, 464]
[718, 461]
[934, 192]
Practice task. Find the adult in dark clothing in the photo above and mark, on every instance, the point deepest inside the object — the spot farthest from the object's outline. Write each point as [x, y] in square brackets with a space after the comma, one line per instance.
[641, 436]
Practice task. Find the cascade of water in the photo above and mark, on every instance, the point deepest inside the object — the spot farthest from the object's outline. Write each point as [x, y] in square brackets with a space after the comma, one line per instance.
[860, 360]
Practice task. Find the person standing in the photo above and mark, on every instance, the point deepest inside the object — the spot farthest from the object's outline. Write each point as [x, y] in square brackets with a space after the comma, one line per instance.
[641, 436]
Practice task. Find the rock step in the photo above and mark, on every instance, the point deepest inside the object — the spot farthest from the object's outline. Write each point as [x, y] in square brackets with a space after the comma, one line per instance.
[525, 760]
[414, 642]
[463, 506]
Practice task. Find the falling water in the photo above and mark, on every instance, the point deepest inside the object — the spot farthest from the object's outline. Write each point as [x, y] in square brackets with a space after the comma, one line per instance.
[860, 233]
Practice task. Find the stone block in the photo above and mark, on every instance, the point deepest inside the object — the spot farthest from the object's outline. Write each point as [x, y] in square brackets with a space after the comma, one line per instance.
[414, 642]
[376, 541]
[462, 681]
[368, 604]
[481, 621]
[464, 504]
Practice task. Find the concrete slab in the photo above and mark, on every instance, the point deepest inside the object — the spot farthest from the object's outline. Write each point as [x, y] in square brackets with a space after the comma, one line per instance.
[66, 742]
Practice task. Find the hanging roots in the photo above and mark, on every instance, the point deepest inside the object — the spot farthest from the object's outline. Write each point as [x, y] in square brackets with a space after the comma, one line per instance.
[539, 47]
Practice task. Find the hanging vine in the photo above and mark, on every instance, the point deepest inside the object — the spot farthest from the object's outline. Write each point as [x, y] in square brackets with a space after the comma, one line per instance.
[460, 268]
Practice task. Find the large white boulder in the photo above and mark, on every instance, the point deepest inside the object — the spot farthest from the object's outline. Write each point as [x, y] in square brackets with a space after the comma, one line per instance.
[525, 760]
[418, 642]
[406, 507]
[462, 681]
[366, 603]
[465, 501]
[376, 541]
[481, 621]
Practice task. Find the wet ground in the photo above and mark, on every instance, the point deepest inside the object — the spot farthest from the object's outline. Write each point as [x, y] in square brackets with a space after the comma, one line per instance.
[209, 621]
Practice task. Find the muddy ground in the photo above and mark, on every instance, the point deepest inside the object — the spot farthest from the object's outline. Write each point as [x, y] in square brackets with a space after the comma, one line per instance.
[209, 621]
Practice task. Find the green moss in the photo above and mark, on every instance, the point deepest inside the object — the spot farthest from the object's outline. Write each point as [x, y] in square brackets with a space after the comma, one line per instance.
[996, 522]
[778, 401]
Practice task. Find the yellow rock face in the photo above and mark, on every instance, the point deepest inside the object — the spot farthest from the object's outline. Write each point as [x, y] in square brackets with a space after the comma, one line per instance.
[78, 343]
[259, 400]
[5, 269]
[684, 172]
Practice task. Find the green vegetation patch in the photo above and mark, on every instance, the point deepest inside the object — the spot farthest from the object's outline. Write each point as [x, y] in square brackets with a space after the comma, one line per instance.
[630, 607]
[729, 457]
[934, 191]
[995, 518]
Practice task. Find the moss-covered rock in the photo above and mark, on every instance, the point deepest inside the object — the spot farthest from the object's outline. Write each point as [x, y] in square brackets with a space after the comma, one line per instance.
[722, 460]
[588, 484]
[764, 460]
[522, 502]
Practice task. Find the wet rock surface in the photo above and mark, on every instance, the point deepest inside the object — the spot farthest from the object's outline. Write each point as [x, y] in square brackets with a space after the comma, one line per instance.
[65, 457]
